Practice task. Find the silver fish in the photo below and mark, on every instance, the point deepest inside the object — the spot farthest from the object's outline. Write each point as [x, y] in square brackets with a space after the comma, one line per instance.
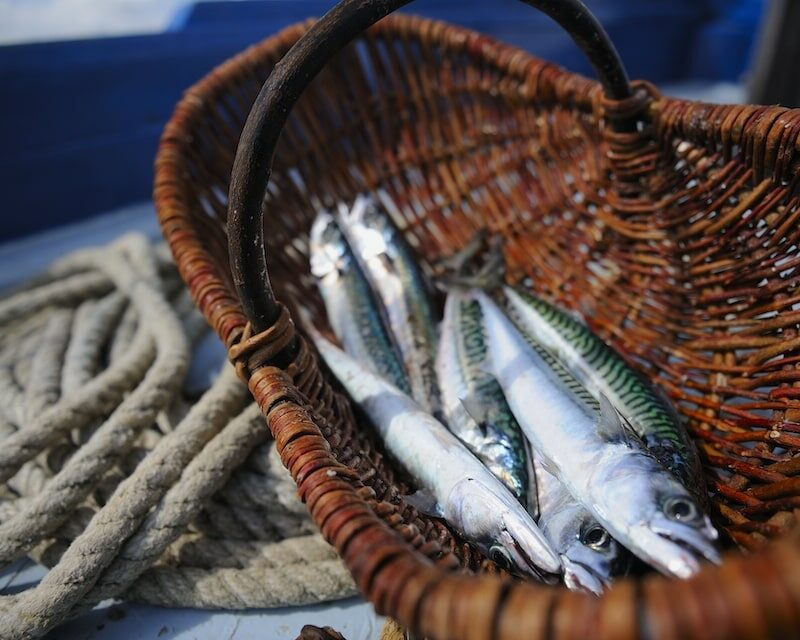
[630, 493]
[468, 496]
[351, 308]
[602, 371]
[401, 288]
[472, 401]
[588, 552]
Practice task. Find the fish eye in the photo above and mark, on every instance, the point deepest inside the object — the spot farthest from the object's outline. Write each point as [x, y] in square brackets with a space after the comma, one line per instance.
[596, 537]
[500, 557]
[680, 510]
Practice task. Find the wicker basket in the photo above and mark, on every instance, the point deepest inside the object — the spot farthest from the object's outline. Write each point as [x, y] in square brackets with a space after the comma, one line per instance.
[672, 224]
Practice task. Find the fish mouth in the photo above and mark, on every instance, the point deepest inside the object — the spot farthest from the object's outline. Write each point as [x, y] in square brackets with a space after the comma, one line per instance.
[700, 541]
[581, 577]
[530, 549]
[537, 572]
[371, 241]
[493, 516]
[675, 547]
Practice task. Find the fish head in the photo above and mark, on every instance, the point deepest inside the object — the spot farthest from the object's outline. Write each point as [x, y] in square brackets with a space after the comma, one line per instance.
[368, 227]
[588, 552]
[327, 248]
[371, 214]
[672, 532]
[497, 523]
[590, 555]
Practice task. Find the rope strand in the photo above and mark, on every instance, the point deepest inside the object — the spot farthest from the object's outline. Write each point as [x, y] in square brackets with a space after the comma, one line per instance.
[147, 500]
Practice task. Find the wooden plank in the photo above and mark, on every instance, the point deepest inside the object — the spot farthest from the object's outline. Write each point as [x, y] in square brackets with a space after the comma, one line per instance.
[76, 183]
[473, 12]
[64, 101]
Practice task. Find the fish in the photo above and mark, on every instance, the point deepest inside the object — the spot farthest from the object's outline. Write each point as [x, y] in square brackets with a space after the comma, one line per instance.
[490, 278]
[352, 311]
[452, 481]
[603, 465]
[588, 552]
[589, 555]
[473, 404]
[401, 288]
[602, 371]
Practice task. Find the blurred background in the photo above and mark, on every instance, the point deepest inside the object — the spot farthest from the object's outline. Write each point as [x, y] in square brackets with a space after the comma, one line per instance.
[87, 85]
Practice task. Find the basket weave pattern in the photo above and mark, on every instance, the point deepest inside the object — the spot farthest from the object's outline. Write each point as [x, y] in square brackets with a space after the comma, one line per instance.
[678, 242]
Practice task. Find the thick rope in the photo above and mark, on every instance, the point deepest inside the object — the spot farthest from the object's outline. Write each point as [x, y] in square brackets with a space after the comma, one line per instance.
[123, 336]
[60, 293]
[96, 399]
[199, 551]
[44, 387]
[111, 481]
[88, 339]
[11, 394]
[137, 410]
[393, 631]
[298, 584]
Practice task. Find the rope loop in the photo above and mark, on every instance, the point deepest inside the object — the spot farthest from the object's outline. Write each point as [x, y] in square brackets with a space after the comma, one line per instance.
[106, 462]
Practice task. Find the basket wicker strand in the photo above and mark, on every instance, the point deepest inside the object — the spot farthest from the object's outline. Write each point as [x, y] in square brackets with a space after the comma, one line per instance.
[671, 224]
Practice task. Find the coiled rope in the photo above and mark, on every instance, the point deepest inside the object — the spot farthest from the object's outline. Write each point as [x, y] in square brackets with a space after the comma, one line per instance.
[114, 479]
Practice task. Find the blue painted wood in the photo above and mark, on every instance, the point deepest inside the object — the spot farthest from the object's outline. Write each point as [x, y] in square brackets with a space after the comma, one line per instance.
[725, 44]
[64, 184]
[79, 121]
[651, 35]
[215, 12]
[68, 93]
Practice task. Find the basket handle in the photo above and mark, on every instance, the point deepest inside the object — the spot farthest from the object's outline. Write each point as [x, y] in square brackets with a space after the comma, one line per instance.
[289, 78]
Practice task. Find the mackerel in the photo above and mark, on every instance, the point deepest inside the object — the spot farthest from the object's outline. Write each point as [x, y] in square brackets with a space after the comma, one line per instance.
[459, 487]
[588, 552]
[603, 372]
[641, 504]
[473, 403]
[401, 289]
[352, 311]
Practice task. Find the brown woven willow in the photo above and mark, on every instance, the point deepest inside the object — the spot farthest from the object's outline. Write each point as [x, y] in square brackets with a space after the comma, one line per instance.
[677, 237]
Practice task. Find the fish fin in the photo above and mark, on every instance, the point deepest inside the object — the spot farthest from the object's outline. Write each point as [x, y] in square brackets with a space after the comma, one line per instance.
[547, 466]
[488, 278]
[610, 425]
[475, 410]
[424, 502]
[533, 483]
[493, 271]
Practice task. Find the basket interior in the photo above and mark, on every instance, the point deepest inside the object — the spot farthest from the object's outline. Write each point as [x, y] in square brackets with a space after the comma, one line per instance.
[693, 277]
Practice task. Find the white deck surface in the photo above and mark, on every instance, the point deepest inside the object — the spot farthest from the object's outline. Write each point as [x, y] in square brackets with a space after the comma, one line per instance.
[127, 621]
